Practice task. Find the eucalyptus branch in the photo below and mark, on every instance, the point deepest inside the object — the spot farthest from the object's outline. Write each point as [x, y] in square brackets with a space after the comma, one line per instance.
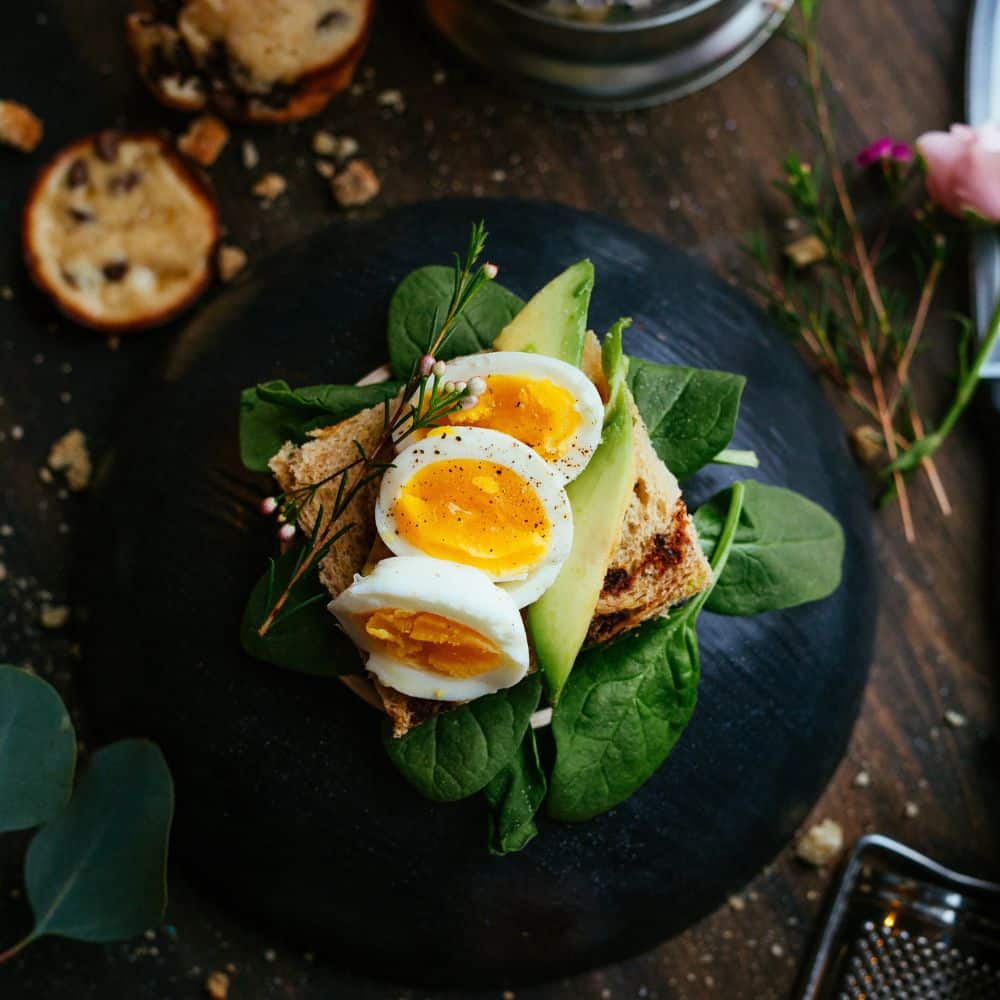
[426, 399]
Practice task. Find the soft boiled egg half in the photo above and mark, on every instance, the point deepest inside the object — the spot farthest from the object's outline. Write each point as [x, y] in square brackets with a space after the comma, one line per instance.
[478, 498]
[545, 403]
[434, 630]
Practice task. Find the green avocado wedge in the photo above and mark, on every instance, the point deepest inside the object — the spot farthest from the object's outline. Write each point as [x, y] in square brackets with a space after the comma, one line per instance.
[554, 321]
[559, 619]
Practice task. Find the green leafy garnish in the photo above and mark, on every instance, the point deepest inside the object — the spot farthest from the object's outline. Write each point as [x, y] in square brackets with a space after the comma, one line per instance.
[690, 413]
[626, 704]
[306, 638]
[427, 292]
[97, 872]
[273, 413]
[458, 753]
[37, 750]
[787, 550]
[514, 797]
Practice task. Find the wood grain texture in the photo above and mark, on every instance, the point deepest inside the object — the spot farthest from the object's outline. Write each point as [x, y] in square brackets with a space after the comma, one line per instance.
[696, 173]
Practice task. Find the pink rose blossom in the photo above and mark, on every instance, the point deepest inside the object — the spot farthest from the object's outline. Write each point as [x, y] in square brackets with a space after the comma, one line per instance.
[963, 169]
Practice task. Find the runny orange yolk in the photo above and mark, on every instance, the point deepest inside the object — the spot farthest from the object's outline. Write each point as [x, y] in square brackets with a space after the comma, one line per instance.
[431, 642]
[536, 411]
[474, 512]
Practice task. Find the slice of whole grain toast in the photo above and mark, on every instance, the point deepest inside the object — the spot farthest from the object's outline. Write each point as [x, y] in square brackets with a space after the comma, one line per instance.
[658, 562]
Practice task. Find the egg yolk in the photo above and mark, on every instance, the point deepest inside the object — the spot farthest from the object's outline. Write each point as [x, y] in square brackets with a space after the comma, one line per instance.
[474, 512]
[432, 642]
[536, 411]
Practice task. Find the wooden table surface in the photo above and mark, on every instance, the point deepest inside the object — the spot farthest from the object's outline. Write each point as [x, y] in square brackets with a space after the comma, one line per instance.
[697, 173]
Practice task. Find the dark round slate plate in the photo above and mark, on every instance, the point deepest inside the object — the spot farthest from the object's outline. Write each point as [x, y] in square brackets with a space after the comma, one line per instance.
[285, 800]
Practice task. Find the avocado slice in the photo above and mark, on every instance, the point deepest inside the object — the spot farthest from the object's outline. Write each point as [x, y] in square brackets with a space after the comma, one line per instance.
[600, 495]
[554, 321]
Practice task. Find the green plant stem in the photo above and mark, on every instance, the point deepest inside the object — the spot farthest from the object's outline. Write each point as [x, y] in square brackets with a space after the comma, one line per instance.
[722, 548]
[11, 952]
[736, 456]
[966, 388]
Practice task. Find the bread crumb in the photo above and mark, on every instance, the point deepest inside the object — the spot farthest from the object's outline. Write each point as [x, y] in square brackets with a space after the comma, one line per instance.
[777, 950]
[270, 186]
[508, 995]
[955, 719]
[911, 810]
[355, 185]
[325, 169]
[45, 475]
[270, 955]
[805, 251]
[70, 455]
[821, 844]
[16, 432]
[20, 127]
[217, 985]
[325, 143]
[230, 261]
[392, 99]
[867, 444]
[439, 77]
[251, 157]
[862, 779]
[737, 903]
[347, 146]
[204, 140]
[53, 616]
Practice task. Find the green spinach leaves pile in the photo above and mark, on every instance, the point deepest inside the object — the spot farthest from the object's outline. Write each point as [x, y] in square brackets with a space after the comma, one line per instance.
[626, 702]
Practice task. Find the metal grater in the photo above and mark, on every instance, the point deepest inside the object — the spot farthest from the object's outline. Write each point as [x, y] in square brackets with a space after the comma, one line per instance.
[902, 927]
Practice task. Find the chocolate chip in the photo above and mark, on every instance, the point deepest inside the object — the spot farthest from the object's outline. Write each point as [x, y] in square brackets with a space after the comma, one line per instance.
[106, 144]
[123, 183]
[78, 174]
[80, 214]
[329, 19]
[116, 270]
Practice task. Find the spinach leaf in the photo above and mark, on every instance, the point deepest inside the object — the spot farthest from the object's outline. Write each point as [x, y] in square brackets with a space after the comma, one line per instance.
[690, 412]
[426, 293]
[626, 704]
[514, 797]
[787, 551]
[37, 750]
[307, 640]
[98, 871]
[461, 751]
[273, 413]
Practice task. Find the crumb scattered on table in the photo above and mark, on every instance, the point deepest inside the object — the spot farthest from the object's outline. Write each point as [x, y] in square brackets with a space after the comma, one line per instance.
[805, 251]
[862, 779]
[270, 186]
[355, 185]
[20, 127]
[53, 616]
[911, 810]
[251, 157]
[217, 985]
[324, 143]
[392, 99]
[821, 843]
[204, 140]
[231, 260]
[70, 455]
[737, 903]
[955, 719]
[325, 169]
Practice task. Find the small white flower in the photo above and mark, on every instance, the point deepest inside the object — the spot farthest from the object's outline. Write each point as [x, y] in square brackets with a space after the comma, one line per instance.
[491, 270]
[439, 369]
[286, 532]
[477, 385]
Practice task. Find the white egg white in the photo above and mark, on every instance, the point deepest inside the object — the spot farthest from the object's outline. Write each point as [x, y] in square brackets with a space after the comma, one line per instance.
[460, 593]
[588, 403]
[492, 446]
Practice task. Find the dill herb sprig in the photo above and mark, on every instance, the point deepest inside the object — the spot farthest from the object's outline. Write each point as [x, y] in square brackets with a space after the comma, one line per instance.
[844, 290]
[425, 400]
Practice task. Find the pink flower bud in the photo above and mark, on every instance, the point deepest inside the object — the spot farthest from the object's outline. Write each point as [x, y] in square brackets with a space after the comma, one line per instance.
[491, 271]
[880, 149]
[427, 365]
[268, 506]
[963, 169]
[477, 385]
[468, 402]
[902, 152]
[286, 532]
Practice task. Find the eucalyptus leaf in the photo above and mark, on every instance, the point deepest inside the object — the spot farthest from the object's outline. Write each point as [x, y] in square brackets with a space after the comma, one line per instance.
[97, 872]
[459, 752]
[272, 413]
[787, 551]
[626, 704]
[421, 300]
[308, 640]
[514, 797]
[37, 750]
[690, 413]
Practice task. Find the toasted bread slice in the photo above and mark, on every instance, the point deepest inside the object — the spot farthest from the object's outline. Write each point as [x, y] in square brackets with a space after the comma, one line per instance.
[331, 448]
